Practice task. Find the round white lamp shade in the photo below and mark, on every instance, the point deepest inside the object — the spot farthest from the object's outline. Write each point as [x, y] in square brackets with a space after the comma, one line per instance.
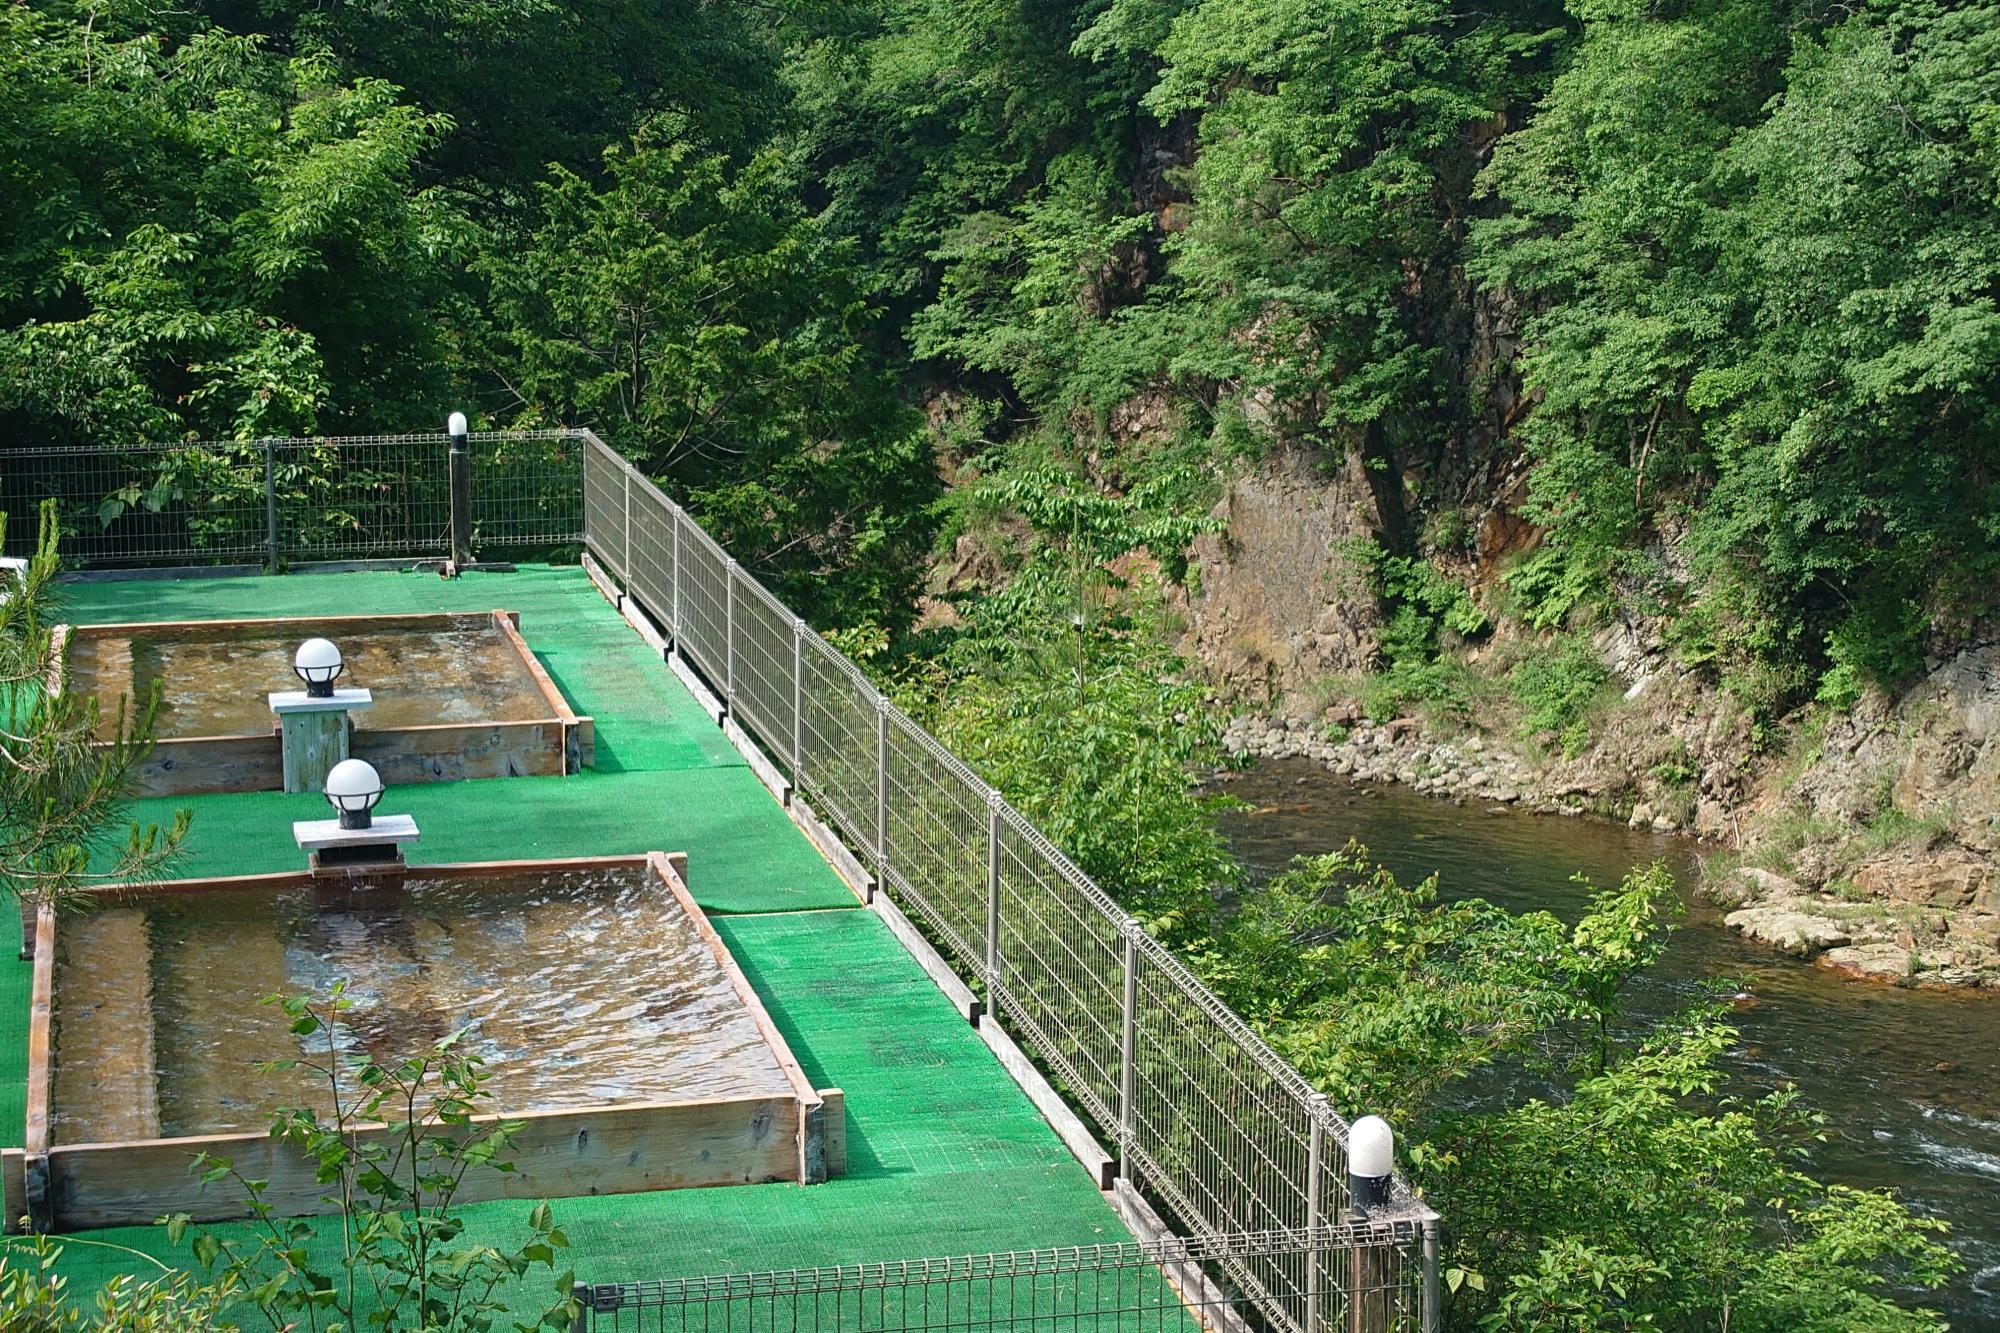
[352, 788]
[455, 424]
[317, 662]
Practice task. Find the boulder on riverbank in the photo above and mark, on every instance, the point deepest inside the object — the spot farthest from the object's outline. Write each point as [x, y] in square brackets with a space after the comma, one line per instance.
[1880, 961]
[1784, 927]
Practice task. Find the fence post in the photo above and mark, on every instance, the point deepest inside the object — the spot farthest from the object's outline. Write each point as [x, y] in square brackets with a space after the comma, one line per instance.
[273, 553]
[1316, 1111]
[881, 789]
[1128, 1051]
[461, 494]
[729, 633]
[1432, 1318]
[799, 632]
[675, 516]
[626, 572]
[992, 901]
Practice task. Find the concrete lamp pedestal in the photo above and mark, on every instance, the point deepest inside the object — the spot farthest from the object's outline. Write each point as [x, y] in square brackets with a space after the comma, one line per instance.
[355, 851]
[314, 733]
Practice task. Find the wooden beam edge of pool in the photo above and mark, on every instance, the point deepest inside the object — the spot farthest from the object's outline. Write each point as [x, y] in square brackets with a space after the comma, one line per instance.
[815, 1110]
[566, 1152]
[35, 1137]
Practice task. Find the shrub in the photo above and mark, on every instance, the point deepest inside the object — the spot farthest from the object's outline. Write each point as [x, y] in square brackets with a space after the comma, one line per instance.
[1557, 689]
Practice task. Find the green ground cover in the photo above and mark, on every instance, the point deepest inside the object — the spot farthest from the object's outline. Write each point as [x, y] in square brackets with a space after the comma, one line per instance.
[945, 1154]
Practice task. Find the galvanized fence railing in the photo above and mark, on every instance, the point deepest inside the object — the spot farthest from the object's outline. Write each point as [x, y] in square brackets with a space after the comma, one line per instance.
[281, 501]
[1204, 1116]
[1164, 1286]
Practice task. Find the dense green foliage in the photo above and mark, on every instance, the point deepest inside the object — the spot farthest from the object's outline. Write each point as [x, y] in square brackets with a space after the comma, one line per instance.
[1748, 250]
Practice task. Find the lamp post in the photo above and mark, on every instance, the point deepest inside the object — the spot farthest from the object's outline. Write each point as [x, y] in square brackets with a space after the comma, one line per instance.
[461, 493]
[357, 845]
[317, 663]
[313, 722]
[352, 789]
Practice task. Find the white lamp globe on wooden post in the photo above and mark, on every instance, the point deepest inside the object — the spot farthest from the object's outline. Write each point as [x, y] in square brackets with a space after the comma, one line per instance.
[1371, 1161]
[317, 663]
[352, 789]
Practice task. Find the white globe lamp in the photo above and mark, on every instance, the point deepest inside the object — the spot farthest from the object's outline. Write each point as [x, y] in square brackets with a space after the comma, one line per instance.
[352, 789]
[316, 663]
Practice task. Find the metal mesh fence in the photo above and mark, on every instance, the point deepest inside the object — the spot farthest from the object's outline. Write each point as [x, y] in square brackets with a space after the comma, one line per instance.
[284, 500]
[1206, 1117]
[1353, 1279]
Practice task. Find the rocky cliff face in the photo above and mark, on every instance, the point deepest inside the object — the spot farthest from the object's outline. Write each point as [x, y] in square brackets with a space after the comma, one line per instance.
[1275, 603]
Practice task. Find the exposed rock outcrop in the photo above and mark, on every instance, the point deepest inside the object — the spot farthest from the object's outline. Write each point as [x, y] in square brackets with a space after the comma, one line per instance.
[1276, 602]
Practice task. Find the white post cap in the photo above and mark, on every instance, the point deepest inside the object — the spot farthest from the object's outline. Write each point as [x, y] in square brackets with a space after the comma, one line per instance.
[1371, 1147]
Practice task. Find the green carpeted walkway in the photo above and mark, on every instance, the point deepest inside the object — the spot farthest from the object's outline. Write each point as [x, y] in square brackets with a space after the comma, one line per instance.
[945, 1153]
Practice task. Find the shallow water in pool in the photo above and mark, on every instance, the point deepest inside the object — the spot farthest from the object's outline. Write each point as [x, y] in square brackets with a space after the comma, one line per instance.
[214, 682]
[580, 988]
[1909, 1079]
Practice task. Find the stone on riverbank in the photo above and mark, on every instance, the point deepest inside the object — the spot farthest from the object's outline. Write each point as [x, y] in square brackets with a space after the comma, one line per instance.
[1880, 961]
[1786, 928]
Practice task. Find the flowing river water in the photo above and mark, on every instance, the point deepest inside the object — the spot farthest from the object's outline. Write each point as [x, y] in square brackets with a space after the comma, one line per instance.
[1909, 1080]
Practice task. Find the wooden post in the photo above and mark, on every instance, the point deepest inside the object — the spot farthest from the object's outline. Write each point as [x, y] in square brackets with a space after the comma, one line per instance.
[313, 743]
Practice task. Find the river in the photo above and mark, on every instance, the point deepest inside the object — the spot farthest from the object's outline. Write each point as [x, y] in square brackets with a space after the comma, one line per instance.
[1909, 1079]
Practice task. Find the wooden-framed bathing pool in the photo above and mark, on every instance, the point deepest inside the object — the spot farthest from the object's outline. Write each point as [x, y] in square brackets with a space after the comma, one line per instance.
[457, 695]
[755, 1119]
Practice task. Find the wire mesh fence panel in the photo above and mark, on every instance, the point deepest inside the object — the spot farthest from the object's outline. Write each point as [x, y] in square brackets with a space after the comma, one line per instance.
[279, 501]
[938, 838]
[763, 635]
[1211, 1123]
[1061, 956]
[363, 498]
[604, 482]
[148, 504]
[704, 608]
[1163, 1286]
[838, 718]
[526, 489]
[1221, 1129]
[651, 524]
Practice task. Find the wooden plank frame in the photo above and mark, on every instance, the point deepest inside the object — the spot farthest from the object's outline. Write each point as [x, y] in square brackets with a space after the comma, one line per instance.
[559, 741]
[563, 1152]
